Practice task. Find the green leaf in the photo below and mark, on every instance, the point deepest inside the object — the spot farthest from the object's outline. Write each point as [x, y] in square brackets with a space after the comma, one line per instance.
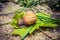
[36, 26]
[16, 18]
[44, 14]
[22, 32]
[46, 24]
[19, 15]
[42, 24]
[14, 23]
[46, 20]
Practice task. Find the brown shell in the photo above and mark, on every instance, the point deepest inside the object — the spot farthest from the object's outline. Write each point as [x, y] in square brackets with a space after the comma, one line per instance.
[29, 18]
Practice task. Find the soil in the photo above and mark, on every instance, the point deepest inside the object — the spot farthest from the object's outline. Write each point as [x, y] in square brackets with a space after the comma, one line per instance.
[7, 11]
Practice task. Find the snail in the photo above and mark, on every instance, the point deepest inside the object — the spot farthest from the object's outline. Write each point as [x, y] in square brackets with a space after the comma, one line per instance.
[29, 18]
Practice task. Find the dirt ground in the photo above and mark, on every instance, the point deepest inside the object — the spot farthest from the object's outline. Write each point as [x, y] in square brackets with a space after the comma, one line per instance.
[6, 14]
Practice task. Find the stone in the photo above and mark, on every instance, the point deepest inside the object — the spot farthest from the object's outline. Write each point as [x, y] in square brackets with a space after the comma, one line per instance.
[13, 38]
[15, 1]
[37, 36]
[44, 8]
[5, 19]
[6, 29]
[2, 37]
[29, 38]
[8, 7]
[52, 34]
[40, 36]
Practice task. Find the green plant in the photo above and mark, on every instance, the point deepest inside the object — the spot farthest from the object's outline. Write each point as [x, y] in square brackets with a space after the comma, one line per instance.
[43, 20]
[30, 3]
